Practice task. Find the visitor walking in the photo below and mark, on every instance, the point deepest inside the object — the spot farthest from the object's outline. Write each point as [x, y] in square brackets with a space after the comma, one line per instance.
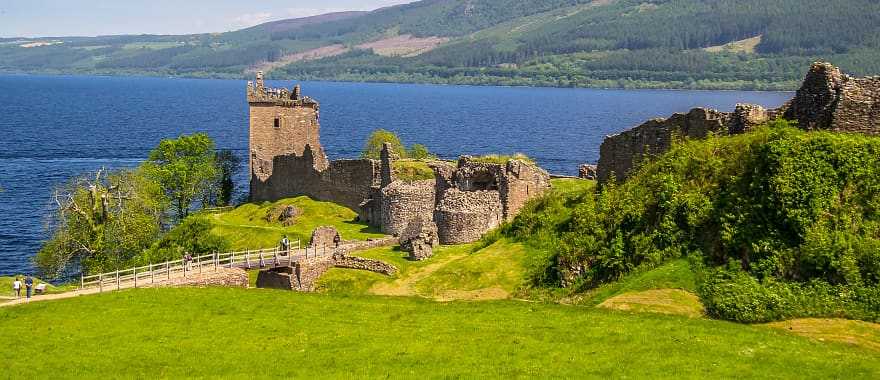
[29, 284]
[187, 259]
[16, 286]
[285, 245]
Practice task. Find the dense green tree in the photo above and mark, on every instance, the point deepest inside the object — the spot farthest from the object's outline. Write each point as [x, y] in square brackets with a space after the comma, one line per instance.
[380, 137]
[223, 187]
[185, 168]
[419, 152]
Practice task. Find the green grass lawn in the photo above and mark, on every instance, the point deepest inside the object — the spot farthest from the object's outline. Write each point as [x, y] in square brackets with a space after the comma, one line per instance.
[246, 226]
[236, 333]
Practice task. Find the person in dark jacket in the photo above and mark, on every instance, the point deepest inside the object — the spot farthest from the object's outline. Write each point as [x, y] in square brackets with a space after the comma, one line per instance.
[29, 285]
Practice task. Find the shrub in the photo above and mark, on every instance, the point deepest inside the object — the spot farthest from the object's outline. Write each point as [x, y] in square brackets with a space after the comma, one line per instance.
[795, 212]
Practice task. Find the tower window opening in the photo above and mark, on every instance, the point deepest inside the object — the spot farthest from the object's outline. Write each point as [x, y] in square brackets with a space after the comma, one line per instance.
[277, 123]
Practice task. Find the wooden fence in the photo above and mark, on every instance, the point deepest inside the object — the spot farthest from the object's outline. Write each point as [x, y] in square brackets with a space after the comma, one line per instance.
[158, 273]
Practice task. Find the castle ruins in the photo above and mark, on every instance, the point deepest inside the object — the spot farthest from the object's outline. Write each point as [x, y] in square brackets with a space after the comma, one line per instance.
[827, 100]
[464, 200]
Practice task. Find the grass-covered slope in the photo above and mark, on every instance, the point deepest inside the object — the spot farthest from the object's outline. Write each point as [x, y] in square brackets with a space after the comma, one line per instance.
[460, 272]
[246, 227]
[780, 223]
[233, 333]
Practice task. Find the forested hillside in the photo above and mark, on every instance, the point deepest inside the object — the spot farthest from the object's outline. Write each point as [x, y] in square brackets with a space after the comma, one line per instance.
[609, 43]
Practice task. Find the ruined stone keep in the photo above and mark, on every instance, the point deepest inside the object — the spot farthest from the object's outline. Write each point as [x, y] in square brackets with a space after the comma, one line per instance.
[465, 200]
[827, 100]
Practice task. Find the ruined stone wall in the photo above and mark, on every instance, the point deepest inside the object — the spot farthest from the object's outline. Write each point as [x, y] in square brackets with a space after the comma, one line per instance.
[360, 263]
[520, 183]
[464, 216]
[827, 100]
[620, 153]
[404, 201]
[858, 107]
[347, 182]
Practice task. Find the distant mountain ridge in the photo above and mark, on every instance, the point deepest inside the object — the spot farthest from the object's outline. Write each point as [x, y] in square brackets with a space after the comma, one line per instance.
[712, 44]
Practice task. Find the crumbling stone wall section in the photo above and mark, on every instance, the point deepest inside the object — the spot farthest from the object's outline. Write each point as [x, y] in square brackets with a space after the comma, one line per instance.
[619, 154]
[419, 239]
[305, 273]
[325, 237]
[405, 201]
[360, 263]
[464, 216]
[827, 100]
[520, 183]
[347, 182]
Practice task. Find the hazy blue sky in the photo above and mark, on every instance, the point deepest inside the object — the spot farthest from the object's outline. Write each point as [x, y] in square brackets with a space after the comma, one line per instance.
[30, 18]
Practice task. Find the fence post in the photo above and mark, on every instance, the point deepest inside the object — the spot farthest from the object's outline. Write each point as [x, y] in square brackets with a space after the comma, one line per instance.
[135, 277]
[215, 261]
[261, 258]
[152, 279]
[247, 258]
[117, 279]
[82, 281]
[167, 270]
[101, 283]
[199, 263]
[275, 252]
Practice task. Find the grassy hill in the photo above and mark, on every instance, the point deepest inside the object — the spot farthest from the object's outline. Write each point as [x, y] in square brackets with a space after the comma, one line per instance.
[609, 43]
[245, 333]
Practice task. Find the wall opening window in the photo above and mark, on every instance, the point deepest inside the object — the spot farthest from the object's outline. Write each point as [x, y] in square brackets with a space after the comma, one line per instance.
[277, 123]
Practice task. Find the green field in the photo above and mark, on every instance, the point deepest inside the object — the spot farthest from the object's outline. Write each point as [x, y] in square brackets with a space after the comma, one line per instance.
[234, 333]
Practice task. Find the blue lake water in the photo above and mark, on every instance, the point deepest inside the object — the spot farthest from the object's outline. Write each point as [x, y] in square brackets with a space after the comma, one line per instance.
[54, 127]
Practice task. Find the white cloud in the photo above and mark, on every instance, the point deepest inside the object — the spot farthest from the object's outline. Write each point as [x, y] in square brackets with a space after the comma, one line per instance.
[251, 19]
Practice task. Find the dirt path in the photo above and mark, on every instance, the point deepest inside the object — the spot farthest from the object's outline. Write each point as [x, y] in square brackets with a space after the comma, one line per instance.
[406, 286]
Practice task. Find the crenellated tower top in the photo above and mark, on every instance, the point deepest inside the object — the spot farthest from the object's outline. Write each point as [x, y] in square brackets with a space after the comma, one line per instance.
[258, 93]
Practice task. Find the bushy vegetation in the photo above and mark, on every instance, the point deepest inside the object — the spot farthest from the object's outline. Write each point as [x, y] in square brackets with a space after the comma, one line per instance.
[115, 219]
[784, 223]
[380, 137]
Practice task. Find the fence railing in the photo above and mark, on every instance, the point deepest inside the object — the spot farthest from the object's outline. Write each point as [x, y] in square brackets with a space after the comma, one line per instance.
[158, 273]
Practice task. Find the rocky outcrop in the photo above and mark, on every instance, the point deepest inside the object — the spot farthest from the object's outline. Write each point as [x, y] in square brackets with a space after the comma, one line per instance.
[827, 100]
[419, 239]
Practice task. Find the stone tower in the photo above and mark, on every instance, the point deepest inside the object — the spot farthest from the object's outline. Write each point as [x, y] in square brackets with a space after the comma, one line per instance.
[282, 123]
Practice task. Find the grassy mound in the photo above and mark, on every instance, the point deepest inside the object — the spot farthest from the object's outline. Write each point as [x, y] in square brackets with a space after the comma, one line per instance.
[454, 273]
[246, 227]
[223, 332]
[782, 223]
[856, 333]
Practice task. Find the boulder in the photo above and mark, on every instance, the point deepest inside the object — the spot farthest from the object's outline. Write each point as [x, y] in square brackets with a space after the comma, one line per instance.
[286, 214]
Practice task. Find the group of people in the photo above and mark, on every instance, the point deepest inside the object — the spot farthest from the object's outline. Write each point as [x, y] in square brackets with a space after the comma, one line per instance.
[28, 284]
